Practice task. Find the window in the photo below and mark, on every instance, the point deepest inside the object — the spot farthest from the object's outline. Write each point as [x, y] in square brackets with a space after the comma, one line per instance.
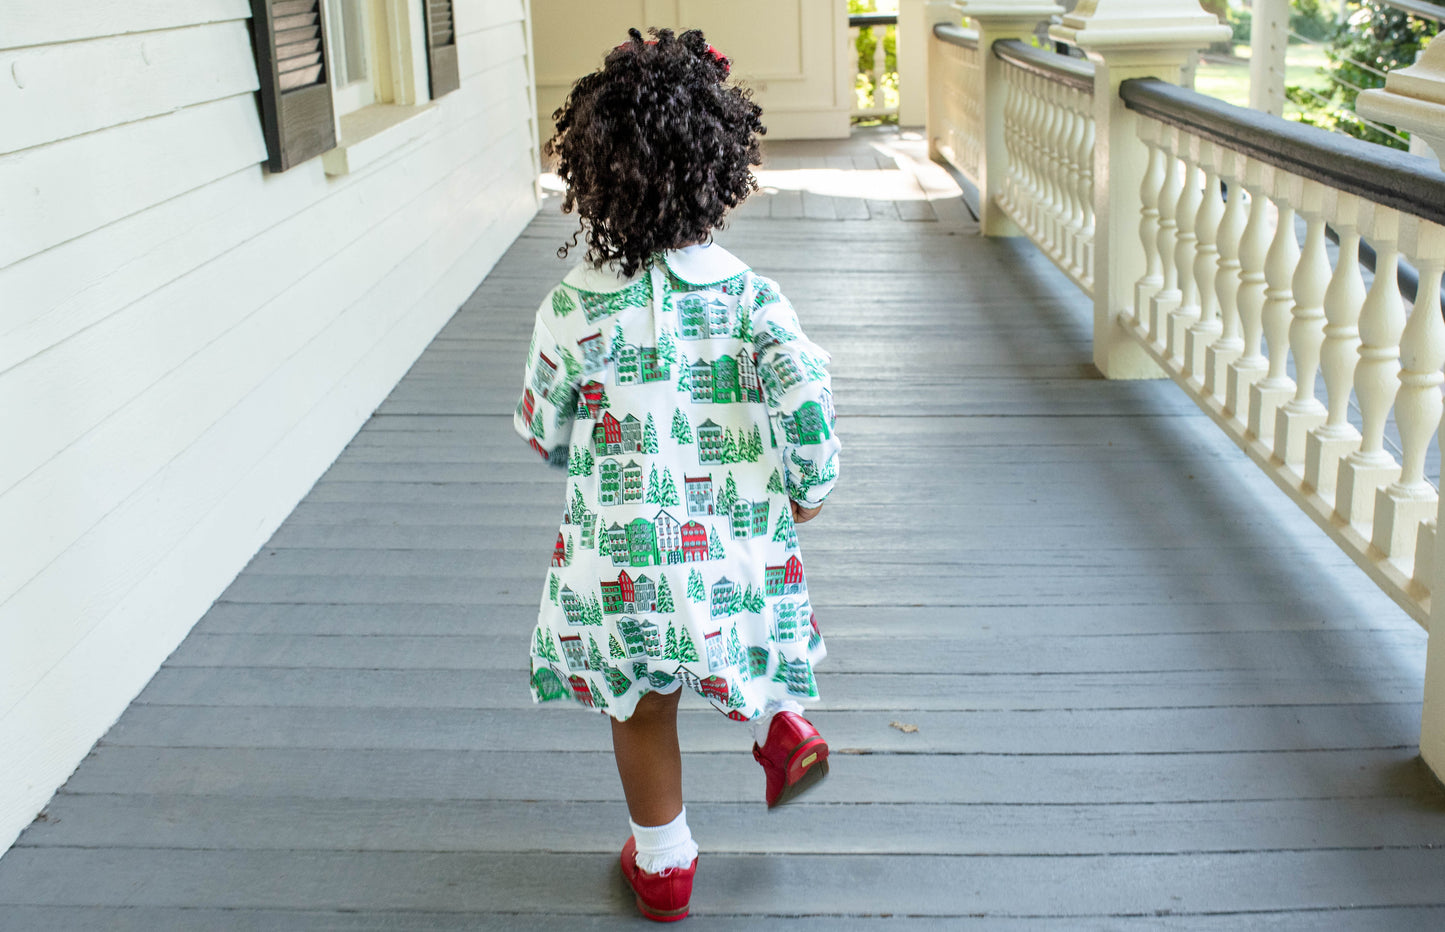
[349, 78]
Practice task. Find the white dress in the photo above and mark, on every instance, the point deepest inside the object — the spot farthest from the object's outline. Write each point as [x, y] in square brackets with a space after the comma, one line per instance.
[688, 408]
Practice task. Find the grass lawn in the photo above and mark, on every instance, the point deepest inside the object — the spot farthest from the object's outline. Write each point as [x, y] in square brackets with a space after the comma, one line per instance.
[1230, 82]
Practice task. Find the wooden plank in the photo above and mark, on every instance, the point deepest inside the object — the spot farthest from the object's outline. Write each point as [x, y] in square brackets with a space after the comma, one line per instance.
[576, 776]
[893, 621]
[184, 919]
[567, 884]
[431, 688]
[42, 22]
[146, 75]
[258, 824]
[480, 15]
[703, 730]
[69, 188]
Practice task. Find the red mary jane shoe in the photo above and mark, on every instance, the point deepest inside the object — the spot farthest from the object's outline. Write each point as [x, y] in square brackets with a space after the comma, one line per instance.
[661, 897]
[795, 758]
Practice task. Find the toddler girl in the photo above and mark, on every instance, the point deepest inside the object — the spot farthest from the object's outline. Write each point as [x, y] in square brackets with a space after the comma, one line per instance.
[695, 422]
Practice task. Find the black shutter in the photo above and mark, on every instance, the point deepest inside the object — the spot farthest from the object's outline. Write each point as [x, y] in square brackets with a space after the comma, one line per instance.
[296, 111]
[441, 47]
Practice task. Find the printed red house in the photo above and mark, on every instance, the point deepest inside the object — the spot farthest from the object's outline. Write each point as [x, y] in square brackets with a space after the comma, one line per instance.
[559, 551]
[714, 687]
[607, 435]
[786, 579]
[589, 400]
[529, 405]
[694, 542]
[580, 691]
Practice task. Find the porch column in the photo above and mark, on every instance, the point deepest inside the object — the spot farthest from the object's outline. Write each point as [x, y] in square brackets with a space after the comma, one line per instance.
[999, 19]
[1127, 39]
[916, 19]
[1413, 98]
[1268, 46]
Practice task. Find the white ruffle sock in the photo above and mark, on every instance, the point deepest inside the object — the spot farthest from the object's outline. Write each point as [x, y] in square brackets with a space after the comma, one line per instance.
[662, 846]
[763, 722]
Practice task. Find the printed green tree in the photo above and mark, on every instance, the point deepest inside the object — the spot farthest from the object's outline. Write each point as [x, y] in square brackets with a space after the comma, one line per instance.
[545, 648]
[580, 462]
[695, 590]
[537, 427]
[753, 601]
[604, 402]
[755, 445]
[649, 436]
[735, 601]
[667, 493]
[727, 499]
[654, 496]
[568, 556]
[666, 349]
[664, 595]
[715, 549]
[775, 482]
[785, 534]
[594, 654]
[562, 303]
[618, 341]
[681, 429]
[735, 648]
[604, 542]
[669, 646]
[552, 585]
[599, 700]
[744, 330]
[614, 648]
[686, 650]
[684, 375]
[729, 447]
[591, 611]
[814, 367]
[570, 363]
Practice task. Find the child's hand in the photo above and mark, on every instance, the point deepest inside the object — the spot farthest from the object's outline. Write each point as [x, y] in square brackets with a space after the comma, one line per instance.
[802, 513]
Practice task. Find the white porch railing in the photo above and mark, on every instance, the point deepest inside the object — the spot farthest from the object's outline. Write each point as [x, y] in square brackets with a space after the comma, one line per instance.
[1285, 351]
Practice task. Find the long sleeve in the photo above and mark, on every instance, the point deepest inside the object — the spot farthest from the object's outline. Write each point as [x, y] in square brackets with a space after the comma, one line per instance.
[549, 392]
[798, 390]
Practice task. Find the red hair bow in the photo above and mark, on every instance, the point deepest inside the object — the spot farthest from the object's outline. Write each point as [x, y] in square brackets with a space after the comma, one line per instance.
[711, 50]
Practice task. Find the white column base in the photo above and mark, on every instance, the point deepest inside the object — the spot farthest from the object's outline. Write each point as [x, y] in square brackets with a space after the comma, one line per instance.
[1218, 357]
[1398, 512]
[1360, 475]
[1292, 425]
[1265, 399]
[1324, 448]
[1241, 375]
[1179, 323]
[1161, 305]
[1197, 341]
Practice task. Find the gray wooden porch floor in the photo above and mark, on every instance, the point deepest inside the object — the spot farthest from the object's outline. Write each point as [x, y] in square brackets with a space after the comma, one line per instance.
[1147, 693]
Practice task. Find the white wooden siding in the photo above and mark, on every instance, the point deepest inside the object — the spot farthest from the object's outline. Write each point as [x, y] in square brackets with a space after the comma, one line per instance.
[186, 341]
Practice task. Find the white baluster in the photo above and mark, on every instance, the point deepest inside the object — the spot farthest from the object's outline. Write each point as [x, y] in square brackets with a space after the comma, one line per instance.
[1331, 441]
[1377, 376]
[1056, 166]
[1266, 395]
[1225, 350]
[1303, 413]
[1149, 189]
[1185, 214]
[1034, 120]
[1073, 252]
[1166, 299]
[1086, 189]
[1206, 264]
[1251, 365]
[1402, 505]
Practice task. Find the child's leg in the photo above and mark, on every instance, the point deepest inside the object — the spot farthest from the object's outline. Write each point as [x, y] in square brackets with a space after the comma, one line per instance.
[649, 761]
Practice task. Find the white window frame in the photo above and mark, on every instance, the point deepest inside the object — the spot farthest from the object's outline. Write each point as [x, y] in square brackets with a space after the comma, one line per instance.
[392, 106]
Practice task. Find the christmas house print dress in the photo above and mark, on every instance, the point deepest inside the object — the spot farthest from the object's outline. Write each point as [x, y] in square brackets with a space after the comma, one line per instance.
[688, 407]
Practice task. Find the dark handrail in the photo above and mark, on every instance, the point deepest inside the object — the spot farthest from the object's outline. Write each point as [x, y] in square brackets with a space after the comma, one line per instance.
[956, 35]
[1408, 183]
[873, 19]
[1061, 69]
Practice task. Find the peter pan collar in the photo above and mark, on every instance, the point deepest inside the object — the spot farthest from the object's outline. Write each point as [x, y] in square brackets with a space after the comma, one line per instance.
[696, 265]
[703, 264]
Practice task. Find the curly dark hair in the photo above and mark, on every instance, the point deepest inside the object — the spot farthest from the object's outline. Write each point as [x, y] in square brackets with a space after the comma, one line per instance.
[655, 148]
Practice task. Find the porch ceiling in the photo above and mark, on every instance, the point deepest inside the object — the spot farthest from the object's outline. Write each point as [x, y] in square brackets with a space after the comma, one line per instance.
[1143, 684]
